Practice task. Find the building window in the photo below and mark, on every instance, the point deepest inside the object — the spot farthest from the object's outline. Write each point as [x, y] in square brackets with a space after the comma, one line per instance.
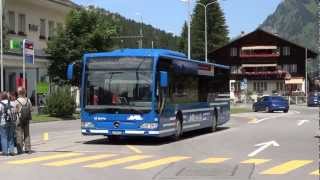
[265, 86]
[235, 69]
[51, 29]
[233, 52]
[260, 86]
[42, 29]
[279, 86]
[286, 51]
[12, 22]
[22, 24]
[290, 68]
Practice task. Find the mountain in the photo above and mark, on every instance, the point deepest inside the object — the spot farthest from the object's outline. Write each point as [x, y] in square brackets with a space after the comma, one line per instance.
[128, 29]
[295, 20]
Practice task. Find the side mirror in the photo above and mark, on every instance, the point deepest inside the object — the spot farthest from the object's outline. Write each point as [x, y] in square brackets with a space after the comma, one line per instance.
[163, 79]
[70, 72]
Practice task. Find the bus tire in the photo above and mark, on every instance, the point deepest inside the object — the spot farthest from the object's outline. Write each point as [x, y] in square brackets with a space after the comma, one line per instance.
[179, 130]
[214, 122]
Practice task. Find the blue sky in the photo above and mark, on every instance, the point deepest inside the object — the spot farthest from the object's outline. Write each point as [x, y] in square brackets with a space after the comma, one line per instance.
[169, 15]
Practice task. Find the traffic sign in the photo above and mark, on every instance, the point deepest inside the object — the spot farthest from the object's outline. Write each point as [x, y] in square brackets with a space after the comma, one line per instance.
[28, 51]
[244, 84]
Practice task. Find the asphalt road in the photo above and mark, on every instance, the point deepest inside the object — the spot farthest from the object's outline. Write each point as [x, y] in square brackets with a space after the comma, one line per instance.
[288, 150]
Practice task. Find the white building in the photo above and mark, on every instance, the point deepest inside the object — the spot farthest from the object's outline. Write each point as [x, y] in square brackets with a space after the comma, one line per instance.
[34, 20]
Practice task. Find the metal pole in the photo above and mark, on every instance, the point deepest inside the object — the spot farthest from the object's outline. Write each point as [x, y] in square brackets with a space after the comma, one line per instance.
[24, 64]
[306, 67]
[141, 32]
[206, 33]
[1, 46]
[189, 29]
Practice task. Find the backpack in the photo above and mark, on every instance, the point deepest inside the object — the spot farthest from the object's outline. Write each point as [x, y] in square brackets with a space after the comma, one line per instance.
[8, 114]
[25, 112]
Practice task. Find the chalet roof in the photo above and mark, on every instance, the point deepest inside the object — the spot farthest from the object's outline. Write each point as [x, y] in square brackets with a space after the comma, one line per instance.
[268, 33]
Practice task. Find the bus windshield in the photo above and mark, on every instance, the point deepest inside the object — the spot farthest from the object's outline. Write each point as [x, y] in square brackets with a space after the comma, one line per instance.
[119, 84]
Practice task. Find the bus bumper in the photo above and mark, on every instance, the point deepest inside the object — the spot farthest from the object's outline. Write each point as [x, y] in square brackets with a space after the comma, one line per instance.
[153, 133]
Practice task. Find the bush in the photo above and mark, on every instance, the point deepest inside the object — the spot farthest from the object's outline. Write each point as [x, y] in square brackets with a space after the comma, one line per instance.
[60, 102]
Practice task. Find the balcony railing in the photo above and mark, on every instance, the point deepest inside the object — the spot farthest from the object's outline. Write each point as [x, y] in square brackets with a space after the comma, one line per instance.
[260, 51]
[243, 55]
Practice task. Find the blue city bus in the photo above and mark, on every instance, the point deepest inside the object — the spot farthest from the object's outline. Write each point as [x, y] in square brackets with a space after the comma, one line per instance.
[150, 92]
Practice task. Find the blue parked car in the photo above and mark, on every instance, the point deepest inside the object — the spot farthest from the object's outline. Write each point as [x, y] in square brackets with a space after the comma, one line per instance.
[271, 103]
[314, 98]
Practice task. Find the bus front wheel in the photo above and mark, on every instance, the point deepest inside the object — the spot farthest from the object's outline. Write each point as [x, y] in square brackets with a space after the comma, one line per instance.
[214, 123]
[178, 133]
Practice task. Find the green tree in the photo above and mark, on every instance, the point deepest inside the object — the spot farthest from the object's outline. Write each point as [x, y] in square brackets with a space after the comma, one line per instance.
[217, 29]
[85, 30]
[183, 41]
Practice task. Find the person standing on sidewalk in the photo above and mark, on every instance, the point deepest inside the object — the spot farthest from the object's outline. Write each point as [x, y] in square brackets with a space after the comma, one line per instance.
[24, 108]
[7, 125]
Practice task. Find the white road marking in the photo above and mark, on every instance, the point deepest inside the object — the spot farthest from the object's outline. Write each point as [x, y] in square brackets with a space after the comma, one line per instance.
[264, 119]
[264, 146]
[301, 122]
[296, 112]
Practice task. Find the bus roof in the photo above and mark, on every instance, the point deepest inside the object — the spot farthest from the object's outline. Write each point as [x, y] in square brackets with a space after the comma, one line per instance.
[148, 53]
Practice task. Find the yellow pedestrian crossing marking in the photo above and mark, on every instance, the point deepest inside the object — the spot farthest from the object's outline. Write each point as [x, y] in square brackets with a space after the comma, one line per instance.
[78, 160]
[44, 158]
[316, 172]
[287, 167]
[117, 161]
[152, 164]
[255, 161]
[65, 159]
[213, 160]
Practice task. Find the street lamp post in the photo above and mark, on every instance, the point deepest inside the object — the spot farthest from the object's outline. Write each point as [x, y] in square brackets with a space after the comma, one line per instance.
[189, 27]
[1, 46]
[206, 26]
[141, 31]
[306, 78]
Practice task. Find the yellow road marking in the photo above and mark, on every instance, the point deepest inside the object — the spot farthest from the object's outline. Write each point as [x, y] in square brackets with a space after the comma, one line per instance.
[117, 161]
[213, 160]
[152, 164]
[78, 160]
[134, 149]
[287, 167]
[44, 158]
[316, 172]
[255, 161]
[45, 136]
[253, 120]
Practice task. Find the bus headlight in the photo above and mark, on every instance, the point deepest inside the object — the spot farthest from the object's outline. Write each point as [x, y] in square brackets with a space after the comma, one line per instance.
[149, 126]
[87, 125]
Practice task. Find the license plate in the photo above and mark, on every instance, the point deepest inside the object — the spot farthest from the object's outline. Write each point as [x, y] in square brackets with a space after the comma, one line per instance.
[116, 132]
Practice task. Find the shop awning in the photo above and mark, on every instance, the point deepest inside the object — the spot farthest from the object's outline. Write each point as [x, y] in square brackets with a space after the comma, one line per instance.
[295, 81]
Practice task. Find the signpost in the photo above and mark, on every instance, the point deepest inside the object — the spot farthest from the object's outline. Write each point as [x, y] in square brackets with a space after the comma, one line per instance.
[244, 87]
[28, 57]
